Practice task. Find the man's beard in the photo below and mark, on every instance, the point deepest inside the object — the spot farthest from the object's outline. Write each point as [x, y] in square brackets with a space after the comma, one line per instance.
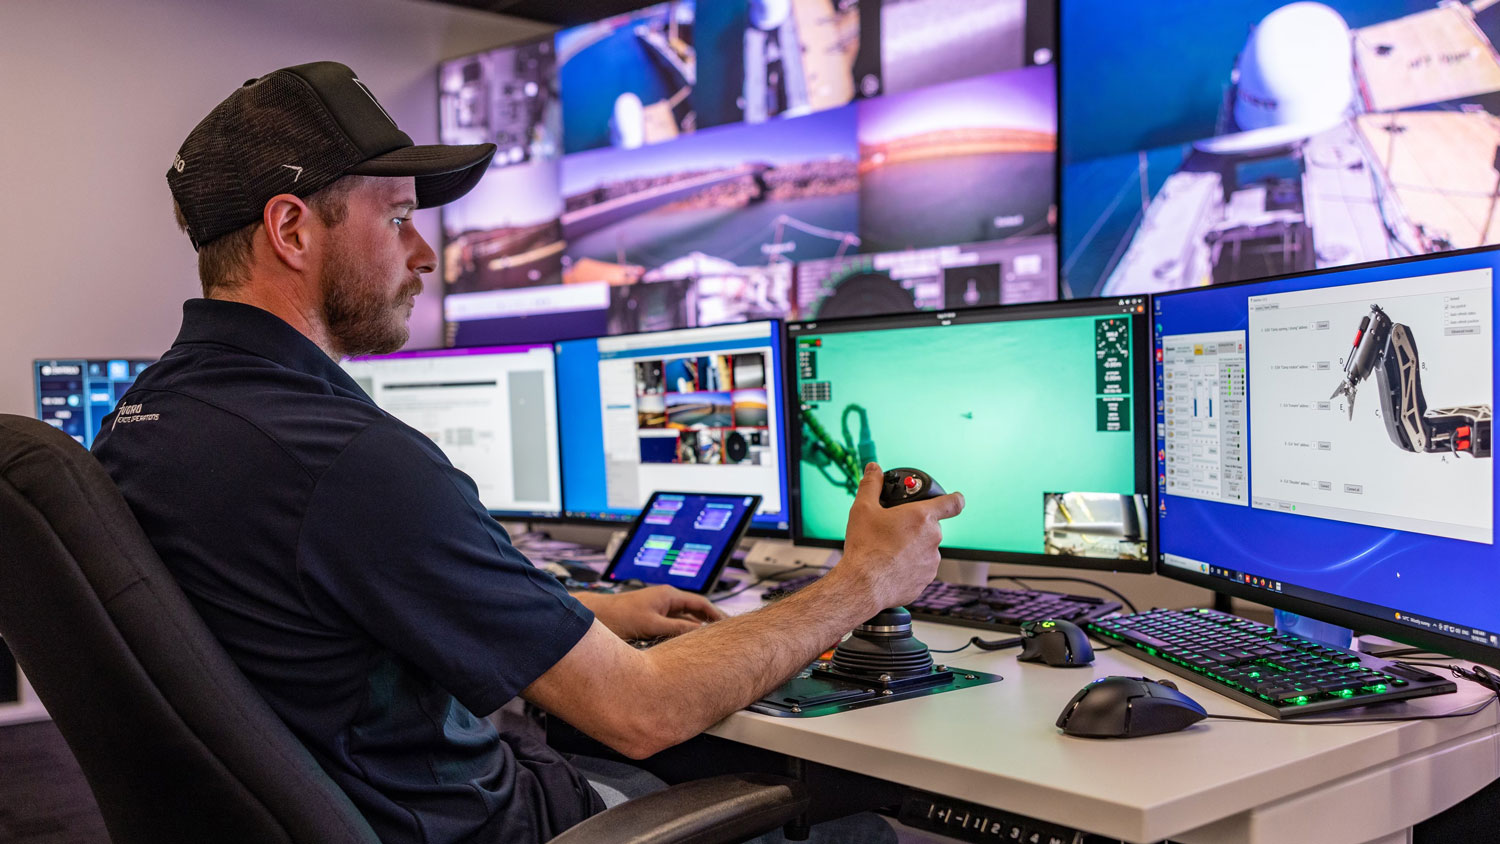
[359, 320]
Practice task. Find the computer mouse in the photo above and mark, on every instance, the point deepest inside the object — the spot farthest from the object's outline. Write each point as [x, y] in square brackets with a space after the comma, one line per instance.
[1055, 642]
[902, 486]
[1127, 707]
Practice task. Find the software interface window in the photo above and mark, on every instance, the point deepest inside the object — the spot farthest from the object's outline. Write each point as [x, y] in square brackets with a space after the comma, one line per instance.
[74, 396]
[1339, 455]
[1031, 418]
[693, 410]
[1203, 395]
[492, 411]
[1358, 403]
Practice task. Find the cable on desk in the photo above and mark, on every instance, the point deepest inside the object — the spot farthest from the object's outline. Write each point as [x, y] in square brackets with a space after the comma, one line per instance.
[775, 576]
[1094, 583]
[982, 644]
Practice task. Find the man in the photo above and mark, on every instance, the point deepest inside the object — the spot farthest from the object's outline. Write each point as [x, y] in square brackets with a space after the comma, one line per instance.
[348, 568]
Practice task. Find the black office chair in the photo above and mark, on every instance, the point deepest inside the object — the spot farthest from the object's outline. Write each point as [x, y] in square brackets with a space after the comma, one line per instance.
[175, 743]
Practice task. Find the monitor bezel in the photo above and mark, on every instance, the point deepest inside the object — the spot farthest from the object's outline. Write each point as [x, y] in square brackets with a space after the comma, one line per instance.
[1352, 619]
[624, 520]
[1143, 416]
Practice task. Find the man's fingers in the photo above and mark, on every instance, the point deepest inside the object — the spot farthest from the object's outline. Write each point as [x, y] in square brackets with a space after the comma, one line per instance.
[869, 484]
[677, 626]
[946, 506]
[695, 605]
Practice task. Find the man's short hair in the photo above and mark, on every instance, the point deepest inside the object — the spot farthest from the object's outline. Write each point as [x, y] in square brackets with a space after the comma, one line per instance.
[223, 262]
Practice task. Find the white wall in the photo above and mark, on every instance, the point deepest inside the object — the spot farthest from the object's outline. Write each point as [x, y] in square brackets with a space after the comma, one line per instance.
[95, 98]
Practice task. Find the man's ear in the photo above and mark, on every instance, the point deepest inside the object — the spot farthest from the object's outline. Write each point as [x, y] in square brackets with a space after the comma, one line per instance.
[289, 226]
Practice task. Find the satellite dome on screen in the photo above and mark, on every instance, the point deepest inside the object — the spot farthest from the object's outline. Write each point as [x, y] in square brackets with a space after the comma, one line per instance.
[1295, 70]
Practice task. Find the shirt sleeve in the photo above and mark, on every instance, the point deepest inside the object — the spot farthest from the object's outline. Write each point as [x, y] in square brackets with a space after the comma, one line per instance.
[396, 542]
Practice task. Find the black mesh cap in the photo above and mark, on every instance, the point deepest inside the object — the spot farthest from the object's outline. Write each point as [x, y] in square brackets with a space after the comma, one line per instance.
[298, 130]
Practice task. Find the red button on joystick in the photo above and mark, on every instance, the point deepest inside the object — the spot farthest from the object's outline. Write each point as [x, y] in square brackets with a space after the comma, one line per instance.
[911, 483]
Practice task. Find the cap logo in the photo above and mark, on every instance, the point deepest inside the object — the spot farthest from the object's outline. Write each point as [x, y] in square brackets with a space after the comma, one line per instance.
[366, 89]
[296, 171]
[178, 163]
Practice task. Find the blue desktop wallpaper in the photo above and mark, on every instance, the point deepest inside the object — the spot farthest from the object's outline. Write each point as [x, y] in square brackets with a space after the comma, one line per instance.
[1361, 568]
[581, 427]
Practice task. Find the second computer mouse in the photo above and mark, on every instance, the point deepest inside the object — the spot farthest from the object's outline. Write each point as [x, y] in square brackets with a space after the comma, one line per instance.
[1054, 642]
[1127, 707]
[900, 486]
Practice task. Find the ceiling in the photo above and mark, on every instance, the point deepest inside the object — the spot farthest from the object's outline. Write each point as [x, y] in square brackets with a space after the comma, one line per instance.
[559, 12]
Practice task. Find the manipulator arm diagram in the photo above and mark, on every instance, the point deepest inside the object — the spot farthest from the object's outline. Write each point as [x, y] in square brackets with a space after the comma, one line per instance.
[1389, 350]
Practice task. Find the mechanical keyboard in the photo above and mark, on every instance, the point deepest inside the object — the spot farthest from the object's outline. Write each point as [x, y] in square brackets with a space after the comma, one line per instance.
[984, 607]
[1277, 673]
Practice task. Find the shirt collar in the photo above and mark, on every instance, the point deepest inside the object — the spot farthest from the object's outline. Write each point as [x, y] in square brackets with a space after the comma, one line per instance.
[261, 333]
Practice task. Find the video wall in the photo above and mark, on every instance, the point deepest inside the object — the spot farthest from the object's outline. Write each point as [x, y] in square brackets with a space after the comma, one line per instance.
[1213, 142]
[697, 163]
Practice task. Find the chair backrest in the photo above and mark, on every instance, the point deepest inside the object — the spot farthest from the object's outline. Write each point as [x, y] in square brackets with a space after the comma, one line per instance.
[175, 743]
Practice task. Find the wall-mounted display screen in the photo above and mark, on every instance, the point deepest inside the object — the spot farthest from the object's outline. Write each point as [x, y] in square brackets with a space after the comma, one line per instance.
[1214, 142]
[676, 166]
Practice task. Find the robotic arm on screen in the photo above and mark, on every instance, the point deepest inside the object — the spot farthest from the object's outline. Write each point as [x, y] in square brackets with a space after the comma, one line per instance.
[1389, 350]
[847, 458]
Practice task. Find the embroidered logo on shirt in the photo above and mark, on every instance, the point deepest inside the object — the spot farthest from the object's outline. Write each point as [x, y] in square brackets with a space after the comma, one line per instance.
[133, 413]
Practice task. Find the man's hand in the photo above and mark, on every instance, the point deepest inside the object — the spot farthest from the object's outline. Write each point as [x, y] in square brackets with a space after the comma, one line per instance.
[652, 612]
[894, 551]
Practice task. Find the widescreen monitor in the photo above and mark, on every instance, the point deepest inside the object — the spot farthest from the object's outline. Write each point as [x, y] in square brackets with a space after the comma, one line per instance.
[689, 410]
[75, 395]
[672, 167]
[1239, 139]
[1324, 446]
[492, 411]
[1038, 414]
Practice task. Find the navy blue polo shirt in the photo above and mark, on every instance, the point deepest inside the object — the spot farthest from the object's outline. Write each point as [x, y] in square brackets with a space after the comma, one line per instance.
[352, 574]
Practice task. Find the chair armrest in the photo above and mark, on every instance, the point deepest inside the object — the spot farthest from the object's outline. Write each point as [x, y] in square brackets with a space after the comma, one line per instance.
[718, 810]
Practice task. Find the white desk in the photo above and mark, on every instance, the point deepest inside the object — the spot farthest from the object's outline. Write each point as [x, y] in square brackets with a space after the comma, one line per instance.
[1215, 783]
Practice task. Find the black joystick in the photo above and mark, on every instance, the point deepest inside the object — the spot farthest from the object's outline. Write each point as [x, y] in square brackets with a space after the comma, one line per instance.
[901, 486]
[883, 648]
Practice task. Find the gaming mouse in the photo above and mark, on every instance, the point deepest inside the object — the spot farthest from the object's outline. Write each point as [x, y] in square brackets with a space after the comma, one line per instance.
[901, 486]
[1055, 642]
[1126, 707]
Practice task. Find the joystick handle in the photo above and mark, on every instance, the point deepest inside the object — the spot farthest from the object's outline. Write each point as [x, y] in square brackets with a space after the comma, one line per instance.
[901, 486]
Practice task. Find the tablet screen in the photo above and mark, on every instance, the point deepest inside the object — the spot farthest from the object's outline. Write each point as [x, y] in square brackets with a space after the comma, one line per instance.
[683, 539]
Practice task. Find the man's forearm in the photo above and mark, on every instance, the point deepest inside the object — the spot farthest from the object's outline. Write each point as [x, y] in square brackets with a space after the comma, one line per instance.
[700, 678]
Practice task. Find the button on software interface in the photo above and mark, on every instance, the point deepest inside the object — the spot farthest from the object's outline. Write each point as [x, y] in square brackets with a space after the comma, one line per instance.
[74, 396]
[1037, 414]
[492, 411]
[1329, 436]
[683, 540]
[695, 410]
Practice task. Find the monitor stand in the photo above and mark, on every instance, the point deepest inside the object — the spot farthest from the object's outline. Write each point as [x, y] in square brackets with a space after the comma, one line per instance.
[966, 572]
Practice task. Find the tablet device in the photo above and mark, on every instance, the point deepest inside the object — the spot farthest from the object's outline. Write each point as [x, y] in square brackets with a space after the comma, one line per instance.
[683, 539]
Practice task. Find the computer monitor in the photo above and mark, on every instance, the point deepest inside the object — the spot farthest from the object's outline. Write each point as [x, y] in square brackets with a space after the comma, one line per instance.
[492, 411]
[1038, 414]
[1311, 458]
[75, 395]
[689, 410]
